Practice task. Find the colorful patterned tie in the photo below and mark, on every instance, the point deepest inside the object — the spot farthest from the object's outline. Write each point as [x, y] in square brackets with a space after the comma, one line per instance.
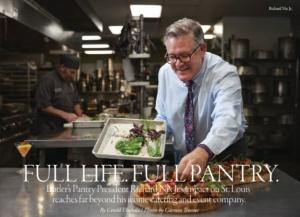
[189, 118]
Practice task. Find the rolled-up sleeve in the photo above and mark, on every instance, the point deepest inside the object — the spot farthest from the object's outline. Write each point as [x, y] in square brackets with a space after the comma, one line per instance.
[44, 93]
[227, 113]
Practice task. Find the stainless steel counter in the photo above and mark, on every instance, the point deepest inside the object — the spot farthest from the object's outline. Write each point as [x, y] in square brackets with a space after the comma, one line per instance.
[33, 198]
[68, 138]
[71, 138]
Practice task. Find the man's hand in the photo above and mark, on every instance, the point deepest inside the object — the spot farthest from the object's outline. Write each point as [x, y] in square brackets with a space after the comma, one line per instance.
[77, 110]
[69, 117]
[198, 157]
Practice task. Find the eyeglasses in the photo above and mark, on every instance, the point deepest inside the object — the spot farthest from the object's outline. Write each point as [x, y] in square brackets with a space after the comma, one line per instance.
[184, 58]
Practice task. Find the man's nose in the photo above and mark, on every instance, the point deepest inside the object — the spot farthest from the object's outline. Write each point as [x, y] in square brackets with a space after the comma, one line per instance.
[178, 63]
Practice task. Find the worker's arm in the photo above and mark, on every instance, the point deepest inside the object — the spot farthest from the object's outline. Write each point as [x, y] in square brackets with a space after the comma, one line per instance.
[69, 117]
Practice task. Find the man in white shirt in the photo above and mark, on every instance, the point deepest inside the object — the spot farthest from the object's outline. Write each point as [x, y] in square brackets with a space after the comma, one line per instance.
[199, 96]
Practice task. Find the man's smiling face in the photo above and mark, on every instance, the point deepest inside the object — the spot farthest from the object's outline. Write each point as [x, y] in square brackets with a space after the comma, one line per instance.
[183, 46]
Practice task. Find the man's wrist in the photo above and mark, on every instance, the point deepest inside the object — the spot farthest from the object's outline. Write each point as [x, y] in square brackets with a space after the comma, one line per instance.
[207, 149]
[62, 114]
[79, 113]
[54, 111]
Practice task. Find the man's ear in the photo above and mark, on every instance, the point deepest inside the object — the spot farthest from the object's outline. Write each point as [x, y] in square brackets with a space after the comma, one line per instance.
[203, 47]
[61, 67]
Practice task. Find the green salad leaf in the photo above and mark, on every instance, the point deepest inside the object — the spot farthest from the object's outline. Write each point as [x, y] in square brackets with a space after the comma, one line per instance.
[154, 151]
[148, 124]
[130, 146]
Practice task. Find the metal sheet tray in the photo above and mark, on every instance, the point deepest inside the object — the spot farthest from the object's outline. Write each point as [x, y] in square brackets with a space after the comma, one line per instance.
[105, 145]
[87, 124]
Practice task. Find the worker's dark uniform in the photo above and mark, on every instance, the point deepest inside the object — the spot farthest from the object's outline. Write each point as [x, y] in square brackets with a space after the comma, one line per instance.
[52, 90]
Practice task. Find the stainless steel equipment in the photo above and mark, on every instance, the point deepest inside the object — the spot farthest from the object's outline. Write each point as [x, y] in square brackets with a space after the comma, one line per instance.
[286, 119]
[263, 54]
[287, 48]
[13, 128]
[280, 71]
[278, 100]
[258, 87]
[280, 92]
[239, 48]
[259, 99]
[88, 124]
[281, 88]
[18, 83]
[247, 70]
[17, 196]
[259, 92]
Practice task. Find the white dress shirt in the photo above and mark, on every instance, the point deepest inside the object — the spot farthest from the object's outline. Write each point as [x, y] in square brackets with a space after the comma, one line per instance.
[218, 104]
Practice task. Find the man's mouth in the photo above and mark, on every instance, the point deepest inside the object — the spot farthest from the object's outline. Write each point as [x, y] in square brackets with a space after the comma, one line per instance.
[183, 69]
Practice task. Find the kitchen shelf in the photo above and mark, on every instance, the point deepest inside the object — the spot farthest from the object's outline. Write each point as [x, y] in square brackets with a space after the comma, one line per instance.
[269, 147]
[266, 77]
[264, 118]
[271, 105]
[270, 126]
[101, 92]
[252, 60]
[18, 82]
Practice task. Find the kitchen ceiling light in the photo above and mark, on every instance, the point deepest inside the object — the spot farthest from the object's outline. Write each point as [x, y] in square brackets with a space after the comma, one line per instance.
[90, 37]
[205, 28]
[209, 36]
[99, 52]
[218, 29]
[148, 11]
[116, 30]
[95, 45]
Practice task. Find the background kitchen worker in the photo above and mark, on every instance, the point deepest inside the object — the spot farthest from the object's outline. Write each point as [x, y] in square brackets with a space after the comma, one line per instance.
[57, 102]
[57, 99]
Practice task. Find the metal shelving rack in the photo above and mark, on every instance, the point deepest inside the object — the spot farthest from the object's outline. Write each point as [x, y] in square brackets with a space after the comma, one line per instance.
[267, 114]
[18, 83]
